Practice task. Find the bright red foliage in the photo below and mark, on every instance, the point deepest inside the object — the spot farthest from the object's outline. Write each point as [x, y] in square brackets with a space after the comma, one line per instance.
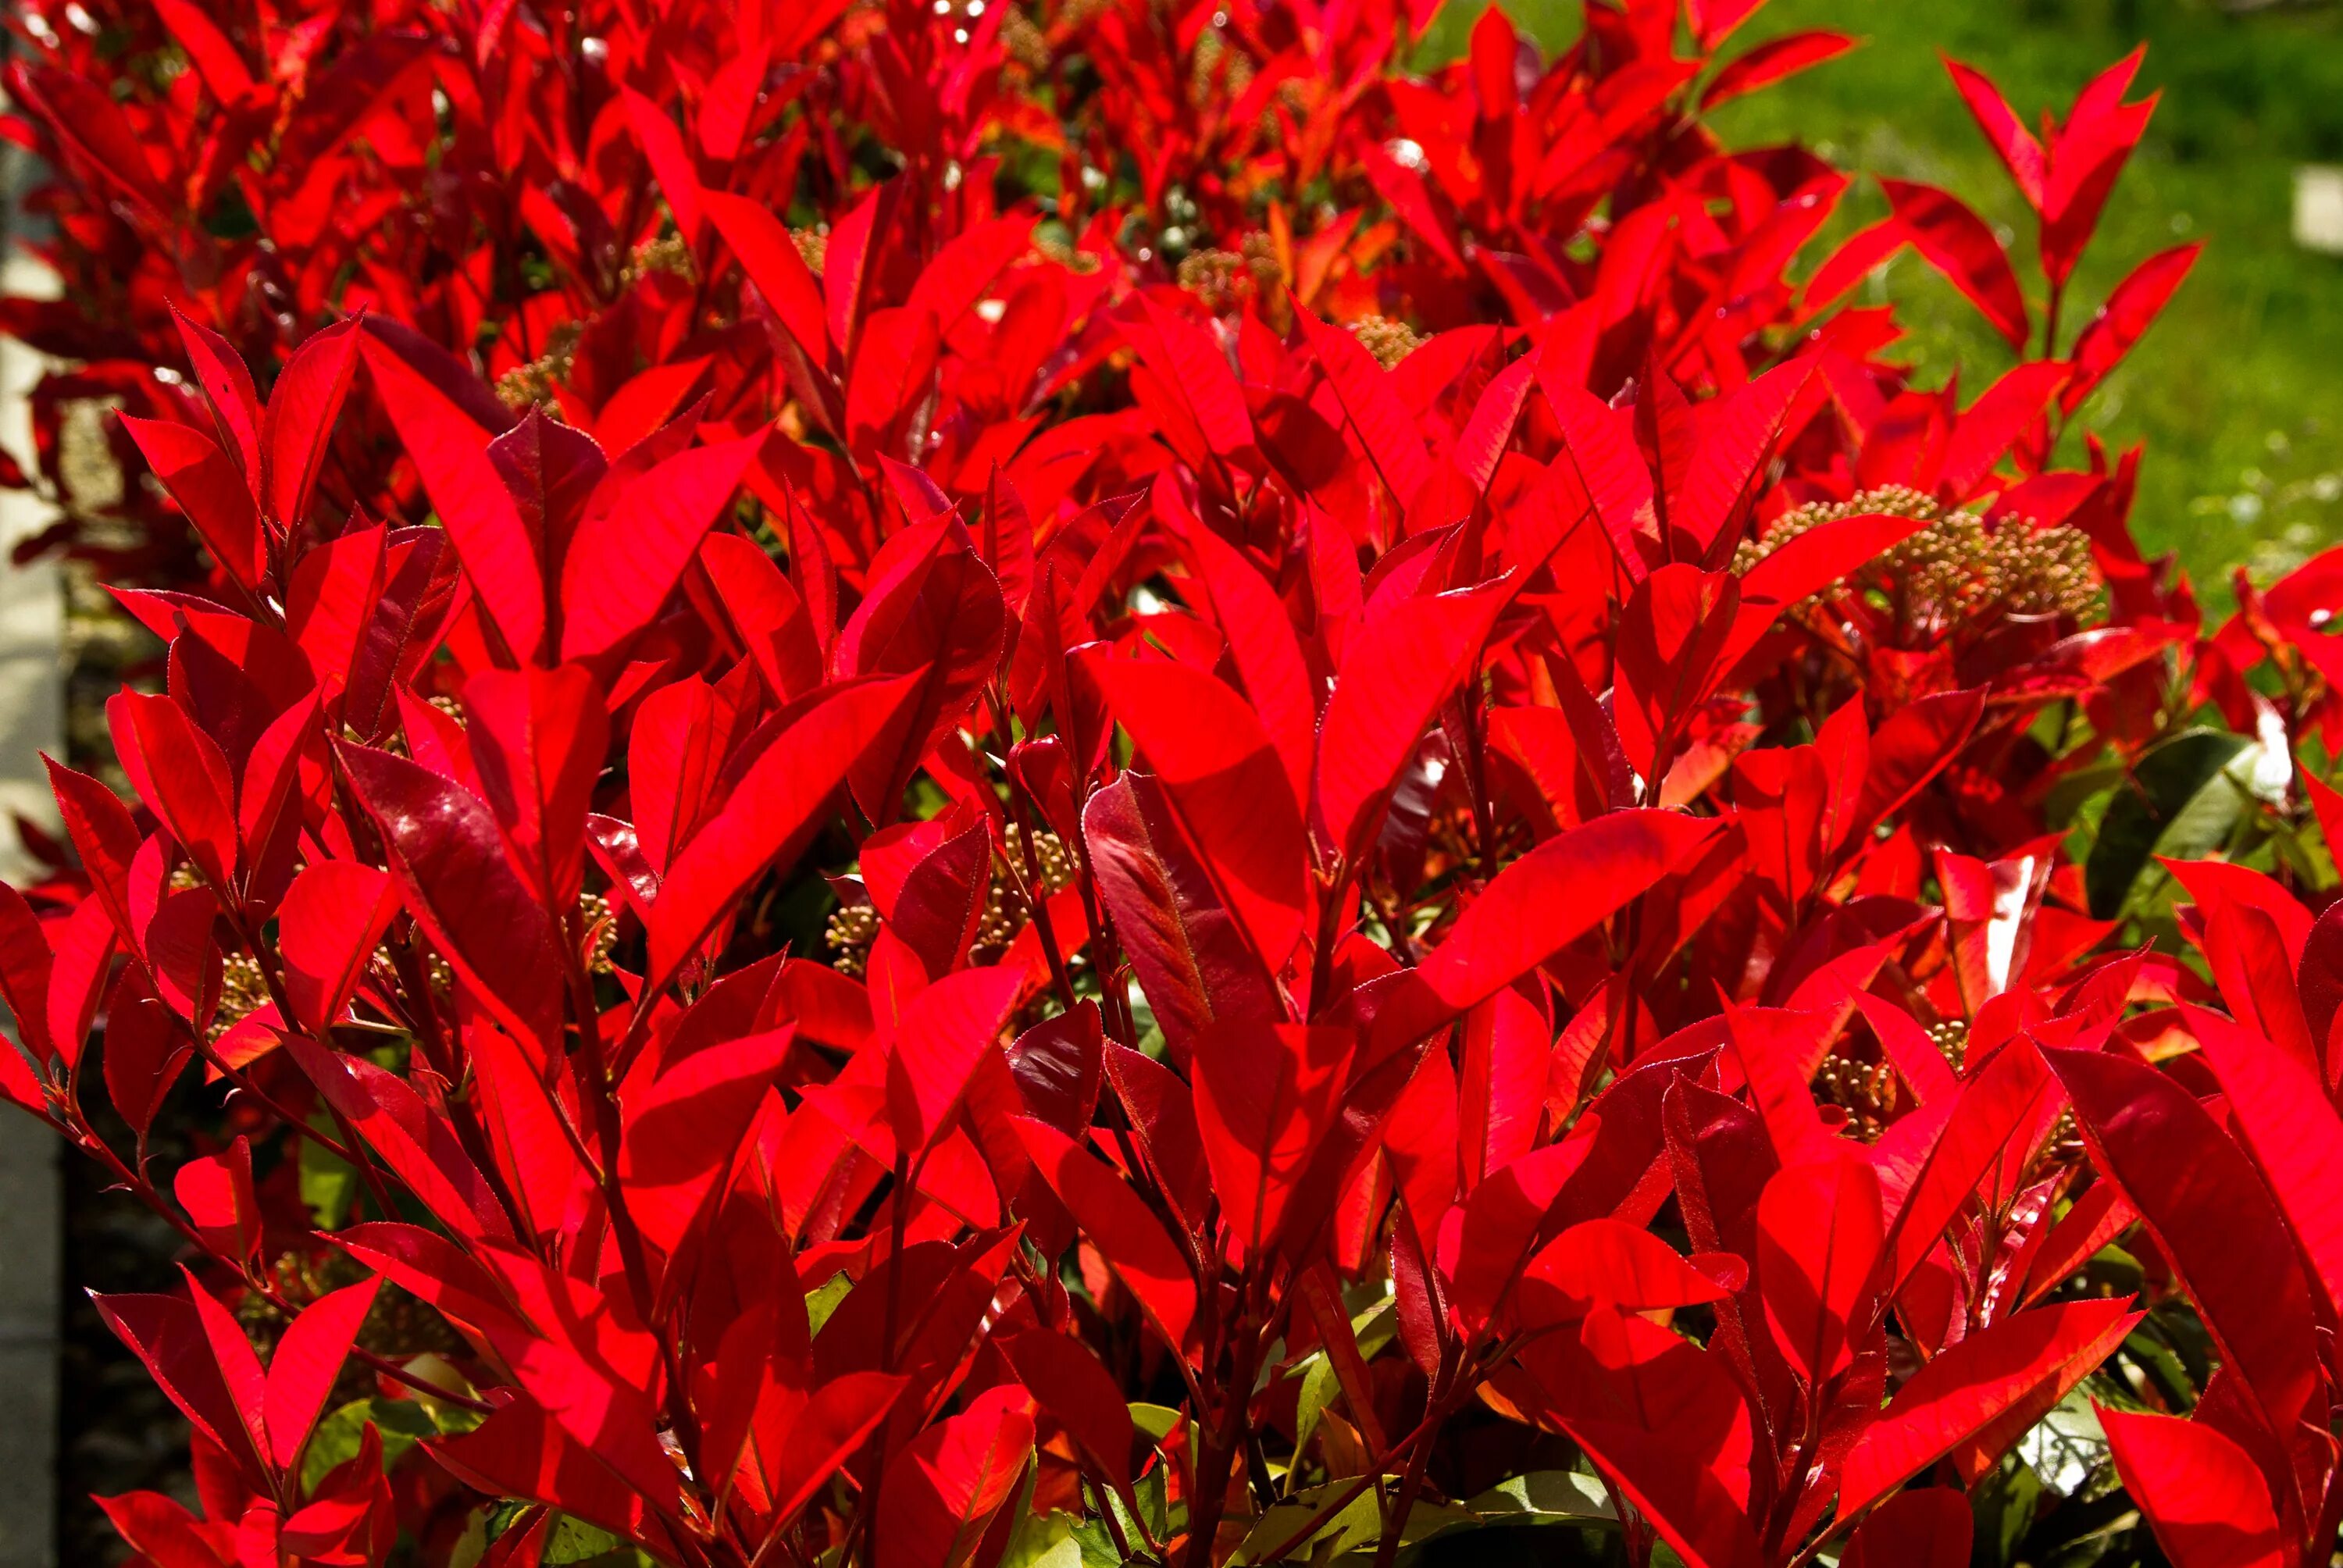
[1424, 908]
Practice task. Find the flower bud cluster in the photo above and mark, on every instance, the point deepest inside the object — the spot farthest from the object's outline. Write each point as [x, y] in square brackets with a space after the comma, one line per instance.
[1958, 569]
[1389, 341]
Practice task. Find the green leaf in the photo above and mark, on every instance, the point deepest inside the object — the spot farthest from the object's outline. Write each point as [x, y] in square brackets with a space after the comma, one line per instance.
[2184, 798]
[1048, 1540]
[1356, 1528]
[1376, 1327]
[473, 1544]
[402, 1422]
[575, 1541]
[329, 1186]
[1318, 1388]
[822, 1301]
[1155, 1419]
[1097, 1545]
[1563, 1496]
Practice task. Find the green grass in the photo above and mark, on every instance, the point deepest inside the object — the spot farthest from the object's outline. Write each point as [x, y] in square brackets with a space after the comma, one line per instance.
[2238, 390]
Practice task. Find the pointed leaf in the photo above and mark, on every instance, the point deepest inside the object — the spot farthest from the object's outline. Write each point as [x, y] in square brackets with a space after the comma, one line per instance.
[1991, 1385]
[2206, 1502]
[448, 860]
[1224, 780]
[2212, 1218]
[332, 918]
[776, 804]
[625, 560]
[307, 1362]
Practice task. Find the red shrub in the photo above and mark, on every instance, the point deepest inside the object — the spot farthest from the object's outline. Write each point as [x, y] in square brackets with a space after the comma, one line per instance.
[1435, 910]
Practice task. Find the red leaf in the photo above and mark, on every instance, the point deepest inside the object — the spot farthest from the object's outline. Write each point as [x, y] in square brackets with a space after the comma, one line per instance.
[1265, 649]
[670, 161]
[776, 804]
[2203, 1497]
[1224, 780]
[1857, 255]
[2212, 1217]
[227, 387]
[1598, 451]
[1199, 393]
[84, 948]
[1535, 908]
[1265, 1097]
[167, 1337]
[964, 267]
[522, 1452]
[1927, 1528]
[1771, 61]
[847, 261]
[1481, 443]
[300, 424]
[2089, 152]
[1502, 1083]
[85, 119]
[1507, 1220]
[449, 859]
[1182, 941]
[1400, 666]
[328, 928]
[1818, 1240]
[1982, 1393]
[179, 771]
[428, 1266]
[767, 613]
[1662, 1422]
[2254, 935]
[1956, 243]
[102, 835]
[933, 608]
[1912, 746]
[538, 741]
[1989, 427]
[2291, 1126]
[2005, 1101]
[1674, 638]
[942, 1490]
[307, 1363]
[448, 440]
[335, 596]
[770, 258]
[422, 1150]
[1824, 557]
[161, 1530]
[1734, 439]
[1609, 1263]
[627, 559]
[941, 1032]
[684, 1127]
[1080, 1394]
[145, 1047]
[209, 490]
[2020, 153]
[676, 745]
[2130, 309]
[834, 1423]
[25, 966]
[1127, 1235]
[1377, 417]
[215, 1190]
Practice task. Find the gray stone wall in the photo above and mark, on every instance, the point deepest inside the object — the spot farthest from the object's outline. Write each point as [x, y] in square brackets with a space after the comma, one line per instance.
[32, 626]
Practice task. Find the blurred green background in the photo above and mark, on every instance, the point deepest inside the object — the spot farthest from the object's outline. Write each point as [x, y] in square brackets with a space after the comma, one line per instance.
[2238, 390]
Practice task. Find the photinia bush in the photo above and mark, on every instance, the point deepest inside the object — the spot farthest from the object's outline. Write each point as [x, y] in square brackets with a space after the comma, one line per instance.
[989, 785]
